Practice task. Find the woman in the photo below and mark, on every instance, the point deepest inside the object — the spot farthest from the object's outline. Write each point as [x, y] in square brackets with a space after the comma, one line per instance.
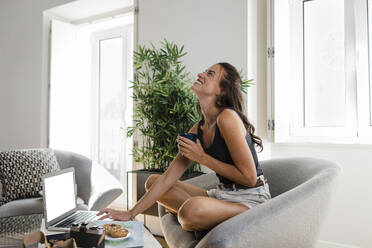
[225, 144]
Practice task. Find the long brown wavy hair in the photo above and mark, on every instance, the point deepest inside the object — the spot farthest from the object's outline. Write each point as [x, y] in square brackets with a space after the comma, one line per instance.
[231, 98]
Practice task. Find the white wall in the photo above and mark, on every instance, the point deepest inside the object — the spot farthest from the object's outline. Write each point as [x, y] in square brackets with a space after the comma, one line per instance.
[23, 91]
[350, 217]
[211, 30]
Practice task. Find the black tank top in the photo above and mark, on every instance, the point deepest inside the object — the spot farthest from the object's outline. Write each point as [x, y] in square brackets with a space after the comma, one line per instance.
[219, 151]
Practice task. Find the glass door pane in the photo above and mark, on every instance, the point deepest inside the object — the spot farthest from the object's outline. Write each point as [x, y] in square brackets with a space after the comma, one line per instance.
[111, 142]
[324, 99]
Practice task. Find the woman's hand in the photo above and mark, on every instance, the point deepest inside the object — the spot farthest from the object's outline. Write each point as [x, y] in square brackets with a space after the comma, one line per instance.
[190, 149]
[116, 214]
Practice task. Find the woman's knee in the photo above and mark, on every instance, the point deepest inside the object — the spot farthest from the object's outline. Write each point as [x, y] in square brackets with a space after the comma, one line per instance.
[150, 180]
[192, 212]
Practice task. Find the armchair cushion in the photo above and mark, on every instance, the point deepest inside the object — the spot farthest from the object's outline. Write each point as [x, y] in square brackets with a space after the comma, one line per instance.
[22, 170]
[28, 206]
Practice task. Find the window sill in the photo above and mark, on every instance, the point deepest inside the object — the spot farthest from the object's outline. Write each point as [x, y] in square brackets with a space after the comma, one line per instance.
[327, 141]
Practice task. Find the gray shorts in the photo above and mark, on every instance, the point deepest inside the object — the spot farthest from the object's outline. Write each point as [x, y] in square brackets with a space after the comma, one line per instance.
[249, 197]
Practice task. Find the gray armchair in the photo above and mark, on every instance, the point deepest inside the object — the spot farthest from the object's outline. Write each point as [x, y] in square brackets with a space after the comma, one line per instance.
[301, 189]
[95, 186]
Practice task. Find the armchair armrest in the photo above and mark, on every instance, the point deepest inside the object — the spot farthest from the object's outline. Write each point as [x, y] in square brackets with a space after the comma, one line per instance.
[104, 188]
[205, 181]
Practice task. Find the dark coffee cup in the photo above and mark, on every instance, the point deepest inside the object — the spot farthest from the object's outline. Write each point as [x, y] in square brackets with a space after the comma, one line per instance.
[190, 136]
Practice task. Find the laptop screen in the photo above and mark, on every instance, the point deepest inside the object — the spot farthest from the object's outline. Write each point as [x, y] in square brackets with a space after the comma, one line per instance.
[59, 194]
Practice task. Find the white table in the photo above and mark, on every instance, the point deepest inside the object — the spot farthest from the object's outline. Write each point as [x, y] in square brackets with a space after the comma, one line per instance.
[149, 240]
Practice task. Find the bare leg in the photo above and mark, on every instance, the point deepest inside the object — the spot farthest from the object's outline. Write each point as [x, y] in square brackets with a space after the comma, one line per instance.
[201, 213]
[173, 199]
[196, 211]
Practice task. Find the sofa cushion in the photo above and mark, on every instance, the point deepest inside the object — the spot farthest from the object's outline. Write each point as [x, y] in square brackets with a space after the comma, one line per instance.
[21, 172]
[29, 206]
[22, 207]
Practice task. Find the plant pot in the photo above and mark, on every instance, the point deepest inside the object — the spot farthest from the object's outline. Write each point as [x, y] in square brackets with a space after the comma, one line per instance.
[142, 176]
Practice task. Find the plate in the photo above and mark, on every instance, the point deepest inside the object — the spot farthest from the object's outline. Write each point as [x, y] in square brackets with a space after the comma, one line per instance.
[107, 237]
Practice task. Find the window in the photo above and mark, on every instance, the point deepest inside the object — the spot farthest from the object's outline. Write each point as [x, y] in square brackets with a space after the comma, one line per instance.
[321, 70]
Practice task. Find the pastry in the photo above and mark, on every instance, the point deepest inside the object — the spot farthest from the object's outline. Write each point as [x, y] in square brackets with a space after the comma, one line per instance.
[111, 227]
[115, 230]
[119, 233]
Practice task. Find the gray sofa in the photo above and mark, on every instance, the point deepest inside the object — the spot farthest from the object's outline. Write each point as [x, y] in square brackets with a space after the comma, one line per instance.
[301, 189]
[95, 187]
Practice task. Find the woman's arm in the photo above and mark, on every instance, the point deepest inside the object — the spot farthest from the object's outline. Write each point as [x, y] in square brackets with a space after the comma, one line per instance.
[158, 188]
[233, 131]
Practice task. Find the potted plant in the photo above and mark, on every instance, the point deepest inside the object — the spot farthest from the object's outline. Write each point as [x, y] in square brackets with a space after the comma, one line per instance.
[164, 107]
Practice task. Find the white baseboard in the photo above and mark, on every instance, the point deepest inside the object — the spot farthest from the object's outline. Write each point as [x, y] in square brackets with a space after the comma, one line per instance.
[328, 244]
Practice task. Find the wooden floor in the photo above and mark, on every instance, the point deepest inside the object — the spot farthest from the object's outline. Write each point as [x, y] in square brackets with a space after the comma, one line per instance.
[162, 241]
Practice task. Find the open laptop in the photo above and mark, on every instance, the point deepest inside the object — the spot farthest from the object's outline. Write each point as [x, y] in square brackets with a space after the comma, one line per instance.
[60, 208]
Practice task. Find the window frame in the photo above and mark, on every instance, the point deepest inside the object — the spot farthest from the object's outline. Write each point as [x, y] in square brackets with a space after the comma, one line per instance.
[126, 32]
[363, 60]
[287, 128]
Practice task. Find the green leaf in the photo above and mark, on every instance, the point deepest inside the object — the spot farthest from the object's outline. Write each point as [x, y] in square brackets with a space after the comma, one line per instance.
[165, 106]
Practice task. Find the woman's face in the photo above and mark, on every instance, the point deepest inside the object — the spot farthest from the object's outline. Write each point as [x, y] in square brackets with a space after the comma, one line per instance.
[208, 82]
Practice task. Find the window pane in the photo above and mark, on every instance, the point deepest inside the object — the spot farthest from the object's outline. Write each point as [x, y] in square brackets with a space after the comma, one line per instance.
[110, 90]
[324, 53]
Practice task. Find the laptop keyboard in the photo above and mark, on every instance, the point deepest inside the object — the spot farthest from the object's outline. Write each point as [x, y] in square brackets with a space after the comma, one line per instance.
[76, 218]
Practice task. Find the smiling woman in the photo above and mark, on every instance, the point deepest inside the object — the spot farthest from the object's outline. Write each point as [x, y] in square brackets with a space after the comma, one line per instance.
[225, 144]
